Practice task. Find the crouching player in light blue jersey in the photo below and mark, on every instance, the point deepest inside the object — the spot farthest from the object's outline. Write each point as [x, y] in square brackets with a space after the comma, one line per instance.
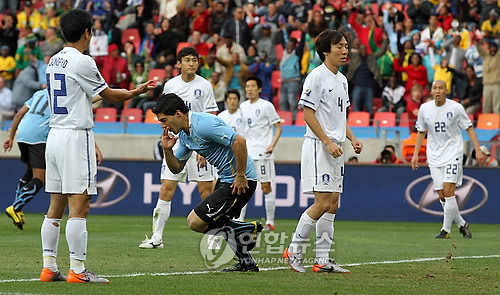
[222, 147]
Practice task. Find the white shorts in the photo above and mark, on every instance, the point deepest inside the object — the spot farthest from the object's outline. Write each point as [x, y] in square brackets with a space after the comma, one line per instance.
[190, 172]
[71, 162]
[320, 172]
[451, 173]
[265, 170]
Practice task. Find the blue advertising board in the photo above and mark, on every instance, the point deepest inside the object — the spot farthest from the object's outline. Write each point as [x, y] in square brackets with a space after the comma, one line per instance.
[371, 192]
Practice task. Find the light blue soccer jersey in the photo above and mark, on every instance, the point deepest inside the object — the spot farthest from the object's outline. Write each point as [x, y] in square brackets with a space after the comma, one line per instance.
[212, 138]
[34, 127]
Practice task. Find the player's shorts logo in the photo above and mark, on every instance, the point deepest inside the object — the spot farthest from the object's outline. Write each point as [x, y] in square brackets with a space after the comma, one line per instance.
[325, 178]
[471, 196]
[111, 189]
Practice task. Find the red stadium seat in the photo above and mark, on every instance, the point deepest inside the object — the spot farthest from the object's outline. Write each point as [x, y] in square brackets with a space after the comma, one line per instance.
[279, 51]
[299, 121]
[386, 119]
[297, 34]
[471, 117]
[156, 74]
[488, 121]
[276, 79]
[151, 117]
[404, 120]
[181, 45]
[377, 104]
[132, 115]
[358, 119]
[133, 36]
[105, 115]
[286, 117]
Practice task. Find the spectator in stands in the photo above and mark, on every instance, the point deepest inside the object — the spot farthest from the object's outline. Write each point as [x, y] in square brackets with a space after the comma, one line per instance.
[290, 78]
[99, 44]
[252, 54]
[238, 29]
[310, 55]
[491, 27]
[408, 147]
[219, 89]
[225, 52]
[470, 90]
[393, 33]
[413, 104]
[408, 32]
[473, 58]
[486, 7]
[491, 77]
[273, 16]
[9, 34]
[99, 8]
[263, 69]
[168, 8]
[115, 72]
[366, 28]
[52, 44]
[7, 107]
[50, 17]
[165, 44]
[26, 52]
[454, 53]
[417, 74]
[208, 66]
[200, 19]
[11, 5]
[148, 40]
[363, 73]
[489, 162]
[388, 156]
[393, 98]
[301, 13]
[353, 159]
[7, 66]
[317, 22]
[251, 17]
[445, 17]
[218, 17]
[266, 36]
[442, 70]
[433, 32]
[29, 18]
[236, 72]
[139, 71]
[470, 12]
[201, 47]
[419, 11]
[180, 22]
[27, 83]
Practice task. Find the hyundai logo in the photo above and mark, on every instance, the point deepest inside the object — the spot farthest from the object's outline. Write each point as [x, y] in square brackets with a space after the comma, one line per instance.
[106, 186]
[429, 196]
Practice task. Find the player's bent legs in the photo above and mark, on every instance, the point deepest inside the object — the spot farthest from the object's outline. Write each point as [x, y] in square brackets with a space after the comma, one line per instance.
[205, 188]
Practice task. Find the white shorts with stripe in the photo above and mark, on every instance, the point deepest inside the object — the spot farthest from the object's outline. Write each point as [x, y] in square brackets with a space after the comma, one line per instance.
[70, 162]
[190, 172]
[265, 170]
[320, 172]
[452, 172]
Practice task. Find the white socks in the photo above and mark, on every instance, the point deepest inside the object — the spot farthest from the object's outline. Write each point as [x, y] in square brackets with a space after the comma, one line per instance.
[450, 210]
[324, 237]
[50, 240]
[304, 228]
[76, 235]
[242, 214]
[457, 217]
[270, 199]
[160, 216]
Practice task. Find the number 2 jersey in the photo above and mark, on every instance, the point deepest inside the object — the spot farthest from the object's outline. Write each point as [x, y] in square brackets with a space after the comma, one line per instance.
[445, 124]
[72, 81]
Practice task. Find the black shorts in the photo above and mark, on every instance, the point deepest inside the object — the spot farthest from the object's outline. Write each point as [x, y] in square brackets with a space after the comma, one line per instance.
[33, 154]
[221, 205]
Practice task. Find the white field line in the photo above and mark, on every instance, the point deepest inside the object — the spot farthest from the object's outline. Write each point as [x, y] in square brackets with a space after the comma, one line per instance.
[266, 268]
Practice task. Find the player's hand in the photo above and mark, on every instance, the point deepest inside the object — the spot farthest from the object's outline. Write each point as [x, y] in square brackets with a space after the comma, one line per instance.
[145, 87]
[240, 185]
[334, 150]
[7, 145]
[202, 162]
[167, 140]
[480, 157]
[414, 162]
[98, 156]
[269, 149]
[357, 145]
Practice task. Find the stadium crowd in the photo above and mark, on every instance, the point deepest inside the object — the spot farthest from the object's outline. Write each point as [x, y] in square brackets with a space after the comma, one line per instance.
[396, 48]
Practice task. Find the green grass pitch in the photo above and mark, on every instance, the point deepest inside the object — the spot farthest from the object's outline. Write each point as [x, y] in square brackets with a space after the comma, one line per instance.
[460, 266]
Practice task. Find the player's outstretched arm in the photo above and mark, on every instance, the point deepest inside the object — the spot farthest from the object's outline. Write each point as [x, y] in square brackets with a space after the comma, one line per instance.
[356, 144]
[418, 144]
[120, 95]
[480, 157]
[7, 145]
[239, 147]
[313, 123]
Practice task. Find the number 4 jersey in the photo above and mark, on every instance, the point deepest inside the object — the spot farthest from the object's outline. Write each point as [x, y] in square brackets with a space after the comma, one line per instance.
[72, 81]
[445, 124]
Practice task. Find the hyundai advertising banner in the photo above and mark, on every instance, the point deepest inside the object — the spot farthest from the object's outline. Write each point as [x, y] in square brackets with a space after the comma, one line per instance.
[374, 193]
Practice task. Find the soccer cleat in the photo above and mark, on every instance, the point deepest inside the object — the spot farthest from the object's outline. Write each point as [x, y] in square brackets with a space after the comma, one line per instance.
[464, 230]
[148, 243]
[15, 217]
[85, 277]
[269, 227]
[255, 234]
[330, 266]
[21, 216]
[49, 276]
[294, 260]
[442, 235]
[238, 267]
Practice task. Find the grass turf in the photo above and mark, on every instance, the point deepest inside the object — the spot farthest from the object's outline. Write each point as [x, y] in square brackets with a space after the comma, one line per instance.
[113, 250]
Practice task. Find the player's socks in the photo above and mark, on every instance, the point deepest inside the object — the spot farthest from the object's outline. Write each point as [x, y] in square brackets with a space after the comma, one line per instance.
[160, 216]
[50, 240]
[304, 228]
[270, 200]
[242, 213]
[26, 193]
[324, 237]
[450, 210]
[76, 235]
[459, 220]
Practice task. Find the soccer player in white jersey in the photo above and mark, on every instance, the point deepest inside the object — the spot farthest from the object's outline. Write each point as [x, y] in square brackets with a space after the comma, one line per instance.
[260, 116]
[444, 120]
[73, 80]
[199, 96]
[325, 100]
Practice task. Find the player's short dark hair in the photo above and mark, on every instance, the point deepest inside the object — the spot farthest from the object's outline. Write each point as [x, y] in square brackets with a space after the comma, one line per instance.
[326, 39]
[74, 23]
[168, 104]
[187, 51]
[231, 91]
[256, 79]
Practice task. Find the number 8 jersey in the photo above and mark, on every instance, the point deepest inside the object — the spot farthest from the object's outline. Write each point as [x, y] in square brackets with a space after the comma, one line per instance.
[445, 124]
[72, 81]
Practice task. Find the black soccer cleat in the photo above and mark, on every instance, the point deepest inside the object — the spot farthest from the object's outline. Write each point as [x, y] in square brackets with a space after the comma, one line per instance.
[255, 234]
[238, 267]
[464, 230]
[442, 235]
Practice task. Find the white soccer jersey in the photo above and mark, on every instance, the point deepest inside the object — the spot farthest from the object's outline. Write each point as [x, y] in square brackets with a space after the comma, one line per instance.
[72, 81]
[444, 123]
[234, 120]
[259, 118]
[327, 94]
[197, 94]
